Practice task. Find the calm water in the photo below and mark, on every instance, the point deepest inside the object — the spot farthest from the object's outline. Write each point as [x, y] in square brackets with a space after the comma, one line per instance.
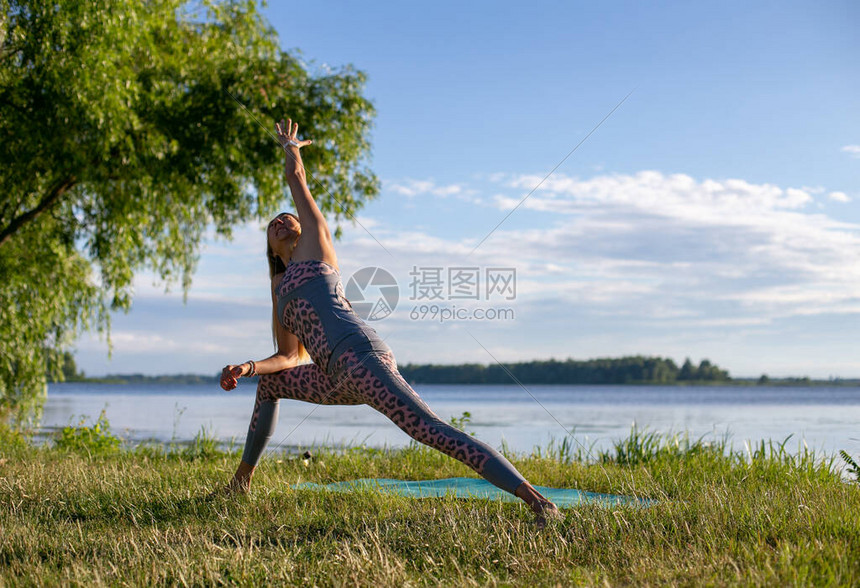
[825, 419]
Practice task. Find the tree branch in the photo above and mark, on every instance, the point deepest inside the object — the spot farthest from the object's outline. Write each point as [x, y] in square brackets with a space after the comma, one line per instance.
[51, 198]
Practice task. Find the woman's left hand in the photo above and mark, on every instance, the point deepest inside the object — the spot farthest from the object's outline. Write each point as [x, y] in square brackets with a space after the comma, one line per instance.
[230, 376]
[288, 138]
[288, 134]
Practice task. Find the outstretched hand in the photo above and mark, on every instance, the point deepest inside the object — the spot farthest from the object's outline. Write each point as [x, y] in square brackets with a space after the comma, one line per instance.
[288, 138]
[230, 376]
[288, 134]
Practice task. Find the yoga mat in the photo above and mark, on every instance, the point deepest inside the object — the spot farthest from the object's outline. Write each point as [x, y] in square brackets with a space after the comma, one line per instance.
[474, 488]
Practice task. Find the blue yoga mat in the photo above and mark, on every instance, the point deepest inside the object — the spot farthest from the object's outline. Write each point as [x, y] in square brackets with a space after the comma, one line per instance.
[473, 488]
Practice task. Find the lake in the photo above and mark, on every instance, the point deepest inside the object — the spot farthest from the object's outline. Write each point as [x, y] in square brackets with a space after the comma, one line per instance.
[824, 418]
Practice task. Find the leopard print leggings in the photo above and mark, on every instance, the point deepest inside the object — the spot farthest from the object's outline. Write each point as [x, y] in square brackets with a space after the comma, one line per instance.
[372, 378]
[312, 305]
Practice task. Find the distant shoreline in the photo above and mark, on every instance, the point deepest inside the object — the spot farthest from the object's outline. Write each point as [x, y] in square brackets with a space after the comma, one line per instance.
[192, 379]
[634, 370]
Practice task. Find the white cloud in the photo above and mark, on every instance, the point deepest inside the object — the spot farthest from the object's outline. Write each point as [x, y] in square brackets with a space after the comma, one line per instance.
[853, 150]
[839, 197]
[708, 246]
[142, 342]
[366, 221]
[640, 263]
[121, 338]
[668, 247]
[411, 188]
[651, 192]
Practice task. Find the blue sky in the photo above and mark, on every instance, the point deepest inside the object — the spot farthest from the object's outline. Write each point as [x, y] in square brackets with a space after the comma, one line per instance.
[715, 214]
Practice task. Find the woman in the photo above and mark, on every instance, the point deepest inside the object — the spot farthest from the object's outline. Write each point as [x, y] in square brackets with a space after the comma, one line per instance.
[352, 365]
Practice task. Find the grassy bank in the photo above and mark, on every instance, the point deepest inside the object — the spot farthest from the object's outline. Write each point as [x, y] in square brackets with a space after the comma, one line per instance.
[90, 513]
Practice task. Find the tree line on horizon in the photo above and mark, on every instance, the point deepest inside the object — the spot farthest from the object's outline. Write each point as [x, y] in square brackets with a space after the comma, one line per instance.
[624, 370]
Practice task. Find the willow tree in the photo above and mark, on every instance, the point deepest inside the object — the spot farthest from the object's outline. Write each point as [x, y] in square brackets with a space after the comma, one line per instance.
[124, 136]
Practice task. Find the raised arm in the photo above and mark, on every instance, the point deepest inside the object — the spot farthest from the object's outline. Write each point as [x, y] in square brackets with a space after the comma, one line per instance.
[315, 241]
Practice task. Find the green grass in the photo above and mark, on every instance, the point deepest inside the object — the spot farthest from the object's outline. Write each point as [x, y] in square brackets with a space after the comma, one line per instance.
[72, 514]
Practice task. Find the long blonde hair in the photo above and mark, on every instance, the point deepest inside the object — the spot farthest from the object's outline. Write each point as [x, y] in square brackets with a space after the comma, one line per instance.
[276, 266]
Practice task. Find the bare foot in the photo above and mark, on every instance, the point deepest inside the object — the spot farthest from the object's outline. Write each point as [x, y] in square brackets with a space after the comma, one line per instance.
[239, 484]
[235, 486]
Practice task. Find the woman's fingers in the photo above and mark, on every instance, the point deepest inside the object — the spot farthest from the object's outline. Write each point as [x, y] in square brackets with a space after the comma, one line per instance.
[230, 376]
[228, 382]
[288, 133]
[283, 131]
